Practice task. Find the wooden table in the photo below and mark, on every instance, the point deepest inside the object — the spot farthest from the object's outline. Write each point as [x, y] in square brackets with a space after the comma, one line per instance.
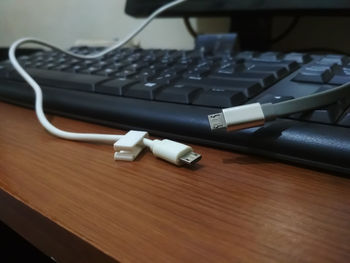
[76, 204]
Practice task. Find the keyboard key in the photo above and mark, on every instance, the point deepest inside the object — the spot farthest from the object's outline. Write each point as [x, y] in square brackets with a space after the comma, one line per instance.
[100, 64]
[334, 59]
[115, 86]
[74, 69]
[89, 70]
[314, 76]
[269, 56]
[106, 72]
[150, 56]
[247, 55]
[178, 93]
[301, 58]
[49, 66]
[146, 90]
[124, 74]
[230, 68]
[176, 69]
[265, 79]
[5, 71]
[60, 67]
[328, 114]
[270, 98]
[341, 76]
[69, 60]
[277, 71]
[250, 88]
[158, 67]
[197, 73]
[227, 58]
[290, 66]
[345, 119]
[165, 78]
[134, 58]
[63, 79]
[219, 97]
[137, 66]
[169, 56]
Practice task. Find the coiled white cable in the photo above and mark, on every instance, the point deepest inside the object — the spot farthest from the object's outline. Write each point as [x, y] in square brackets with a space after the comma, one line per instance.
[133, 142]
[105, 138]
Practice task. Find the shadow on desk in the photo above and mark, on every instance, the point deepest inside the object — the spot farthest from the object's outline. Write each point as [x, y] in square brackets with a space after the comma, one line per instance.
[16, 249]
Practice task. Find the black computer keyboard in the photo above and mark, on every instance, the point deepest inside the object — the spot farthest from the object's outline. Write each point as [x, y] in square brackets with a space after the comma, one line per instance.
[171, 93]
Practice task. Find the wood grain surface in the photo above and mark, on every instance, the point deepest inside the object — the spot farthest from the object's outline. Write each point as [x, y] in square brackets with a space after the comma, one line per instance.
[74, 202]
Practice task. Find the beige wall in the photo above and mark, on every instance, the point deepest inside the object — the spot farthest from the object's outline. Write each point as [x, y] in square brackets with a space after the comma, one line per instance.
[64, 21]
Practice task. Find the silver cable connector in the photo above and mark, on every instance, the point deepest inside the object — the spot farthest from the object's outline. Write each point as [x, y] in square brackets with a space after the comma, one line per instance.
[237, 118]
[190, 158]
[217, 121]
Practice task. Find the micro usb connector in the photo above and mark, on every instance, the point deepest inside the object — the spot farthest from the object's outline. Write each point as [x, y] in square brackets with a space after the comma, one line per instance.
[237, 118]
[174, 152]
[190, 158]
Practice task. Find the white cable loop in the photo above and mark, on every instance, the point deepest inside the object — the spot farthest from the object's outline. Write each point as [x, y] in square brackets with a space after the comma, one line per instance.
[91, 137]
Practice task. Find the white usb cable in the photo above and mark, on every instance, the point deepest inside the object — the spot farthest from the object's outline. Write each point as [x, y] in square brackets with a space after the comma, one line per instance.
[127, 146]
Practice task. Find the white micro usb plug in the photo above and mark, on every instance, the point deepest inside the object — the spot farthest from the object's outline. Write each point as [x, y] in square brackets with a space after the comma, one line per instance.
[237, 118]
[174, 152]
[131, 144]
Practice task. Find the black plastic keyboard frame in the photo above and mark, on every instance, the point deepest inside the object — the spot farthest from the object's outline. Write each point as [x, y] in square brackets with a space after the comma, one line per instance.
[304, 142]
[298, 142]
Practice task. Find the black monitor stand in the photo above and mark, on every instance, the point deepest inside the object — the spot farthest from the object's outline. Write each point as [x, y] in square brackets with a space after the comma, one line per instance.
[254, 31]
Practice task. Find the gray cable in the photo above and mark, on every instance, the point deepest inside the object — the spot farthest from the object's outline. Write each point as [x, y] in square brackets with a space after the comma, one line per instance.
[306, 103]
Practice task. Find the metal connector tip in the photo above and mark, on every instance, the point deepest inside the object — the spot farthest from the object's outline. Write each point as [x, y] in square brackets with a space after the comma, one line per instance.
[191, 158]
[217, 121]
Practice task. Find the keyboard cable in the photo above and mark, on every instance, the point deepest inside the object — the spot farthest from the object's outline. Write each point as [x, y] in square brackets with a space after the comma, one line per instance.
[127, 146]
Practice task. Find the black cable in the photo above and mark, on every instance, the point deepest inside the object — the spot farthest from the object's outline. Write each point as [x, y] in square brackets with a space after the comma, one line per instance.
[286, 32]
[189, 27]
